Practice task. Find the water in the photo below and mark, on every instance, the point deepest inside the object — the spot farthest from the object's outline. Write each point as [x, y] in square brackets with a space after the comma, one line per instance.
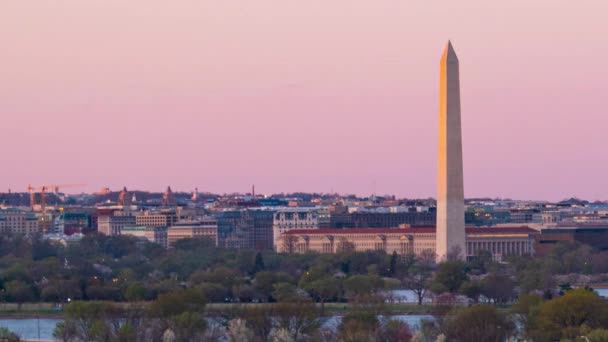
[412, 320]
[28, 328]
[406, 296]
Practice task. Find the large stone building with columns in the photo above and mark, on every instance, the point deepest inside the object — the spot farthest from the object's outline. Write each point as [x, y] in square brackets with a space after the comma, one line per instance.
[500, 241]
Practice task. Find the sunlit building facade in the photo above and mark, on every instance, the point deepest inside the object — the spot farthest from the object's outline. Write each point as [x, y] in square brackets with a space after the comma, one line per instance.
[500, 242]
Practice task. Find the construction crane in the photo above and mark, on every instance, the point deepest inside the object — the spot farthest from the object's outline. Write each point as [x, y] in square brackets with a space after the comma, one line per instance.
[43, 190]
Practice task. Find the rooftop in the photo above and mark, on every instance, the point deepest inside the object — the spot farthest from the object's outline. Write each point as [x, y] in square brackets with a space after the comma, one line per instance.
[413, 230]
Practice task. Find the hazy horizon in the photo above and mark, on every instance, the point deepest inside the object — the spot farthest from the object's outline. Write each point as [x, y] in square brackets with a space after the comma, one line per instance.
[311, 97]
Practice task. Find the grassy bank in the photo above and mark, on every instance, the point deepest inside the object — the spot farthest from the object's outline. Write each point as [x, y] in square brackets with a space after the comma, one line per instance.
[337, 308]
[30, 310]
[49, 310]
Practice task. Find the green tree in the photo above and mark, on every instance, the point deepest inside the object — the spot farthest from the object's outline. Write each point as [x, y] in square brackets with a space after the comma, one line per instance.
[175, 303]
[417, 277]
[125, 333]
[569, 315]
[395, 331]
[499, 288]
[358, 287]
[526, 311]
[88, 321]
[188, 326]
[19, 292]
[213, 292]
[392, 269]
[358, 326]
[478, 323]
[286, 292]
[299, 320]
[259, 263]
[260, 319]
[222, 275]
[264, 282]
[449, 277]
[238, 331]
[533, 274]
[8, 336]
[181, 312]
[135, 292]
[472, 289]
[598, 335]
[323, 290]
[194, 244]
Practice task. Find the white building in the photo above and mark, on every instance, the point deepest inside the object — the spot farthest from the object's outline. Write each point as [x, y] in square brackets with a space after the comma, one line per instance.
[153, 234]
[204, 227]
[293, 218]
[19, 222]
[113, 225]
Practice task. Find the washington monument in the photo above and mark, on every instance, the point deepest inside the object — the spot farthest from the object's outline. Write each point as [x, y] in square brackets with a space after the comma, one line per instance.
[450, 188]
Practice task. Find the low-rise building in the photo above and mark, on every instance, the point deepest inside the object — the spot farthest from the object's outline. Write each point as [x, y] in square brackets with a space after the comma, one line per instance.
[245, 229]
[69, 223]
[594, 236]
[547, 218]
[366, 219]
[153, 234]
[112, 225]
[500, 242]
[206, 227]
[16, 221]
[163, 218]
[293, 218]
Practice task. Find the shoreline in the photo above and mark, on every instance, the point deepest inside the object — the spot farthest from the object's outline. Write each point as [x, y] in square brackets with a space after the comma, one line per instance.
[29, 315]
[331, 309]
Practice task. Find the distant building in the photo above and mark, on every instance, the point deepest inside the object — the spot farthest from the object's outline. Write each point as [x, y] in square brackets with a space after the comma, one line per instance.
[483, 217]
[522, 215]
[262, 228]
[162, 218]
[69, 223]
[379, 220]
[64, 239]
[547, 218]
[19, 222]
[169, 199]
[153, 234]
[245, 229]
[500, 242]
[596, 237]
[124, 197]
[235, 230]
[190, 229]
[324, 218]
[112, 225]
[293, 218]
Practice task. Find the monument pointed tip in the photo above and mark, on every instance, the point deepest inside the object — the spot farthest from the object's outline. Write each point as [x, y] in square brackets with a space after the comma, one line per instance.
[448, 53]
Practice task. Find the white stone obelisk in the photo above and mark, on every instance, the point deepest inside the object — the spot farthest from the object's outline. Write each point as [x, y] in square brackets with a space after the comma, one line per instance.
[450, 188]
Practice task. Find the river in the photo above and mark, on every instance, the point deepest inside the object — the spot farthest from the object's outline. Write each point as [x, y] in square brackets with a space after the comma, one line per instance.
[32, 328]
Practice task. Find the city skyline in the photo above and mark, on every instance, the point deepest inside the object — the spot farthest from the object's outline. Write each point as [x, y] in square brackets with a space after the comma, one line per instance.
[348, 108]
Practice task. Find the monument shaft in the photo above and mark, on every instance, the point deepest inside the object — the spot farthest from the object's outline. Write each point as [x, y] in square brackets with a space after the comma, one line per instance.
[450, 188]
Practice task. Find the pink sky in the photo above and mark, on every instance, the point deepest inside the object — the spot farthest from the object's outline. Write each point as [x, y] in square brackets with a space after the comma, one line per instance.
[302, 95]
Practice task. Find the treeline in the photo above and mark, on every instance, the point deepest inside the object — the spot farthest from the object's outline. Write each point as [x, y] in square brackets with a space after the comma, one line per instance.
[183, 315]
[123, 268]
[130, 271]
